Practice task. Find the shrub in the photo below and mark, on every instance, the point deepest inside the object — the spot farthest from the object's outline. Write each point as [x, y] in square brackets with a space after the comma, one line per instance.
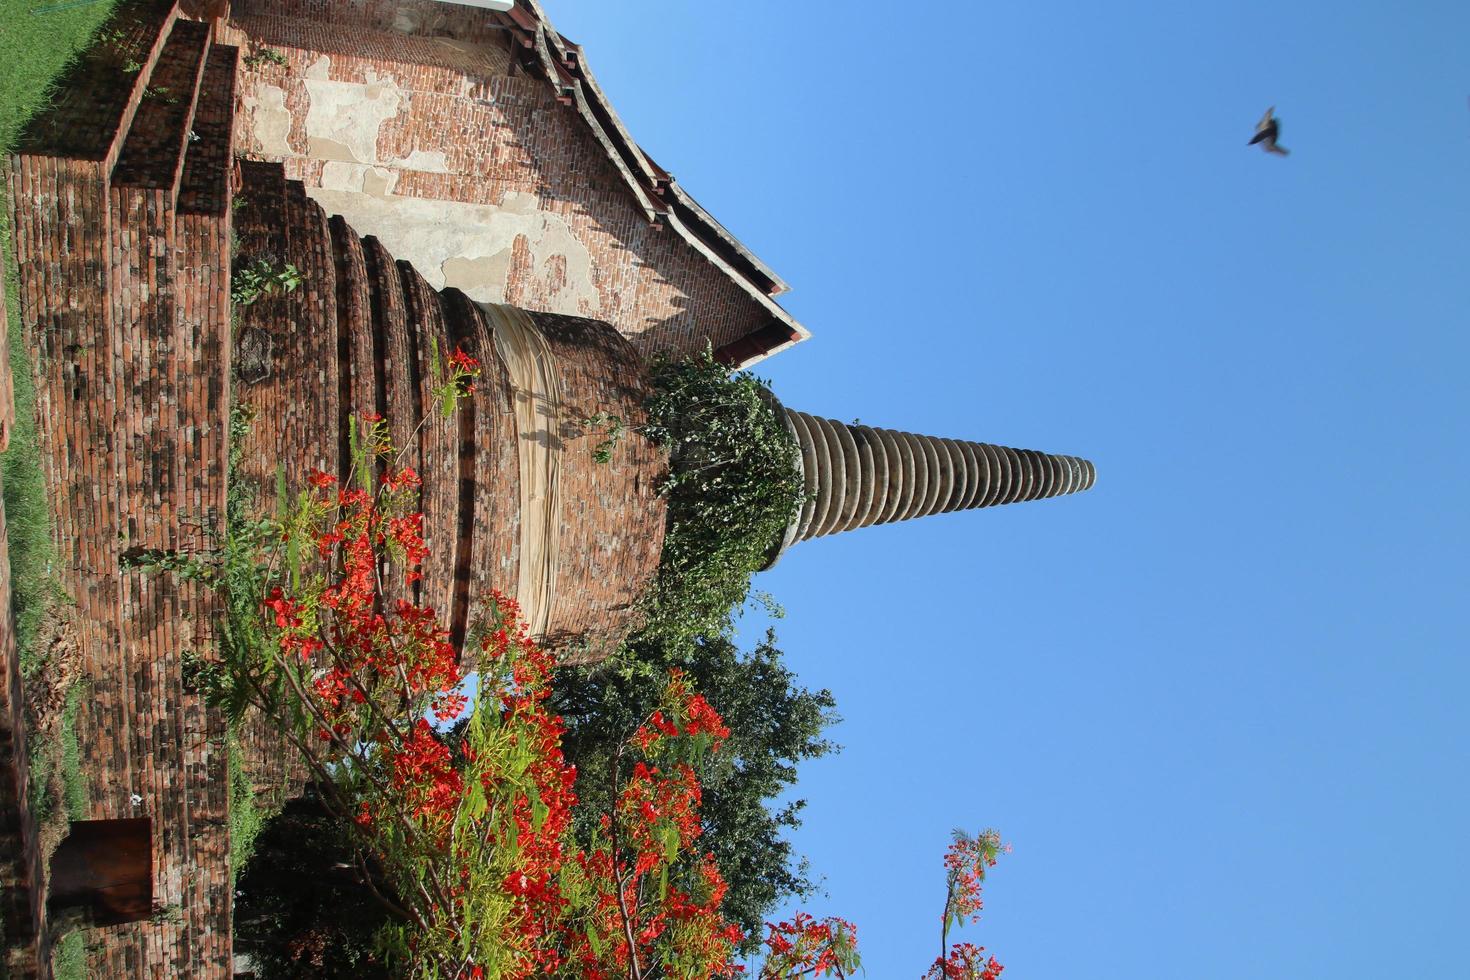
[262, 278]
[734, 486]
[266, 56]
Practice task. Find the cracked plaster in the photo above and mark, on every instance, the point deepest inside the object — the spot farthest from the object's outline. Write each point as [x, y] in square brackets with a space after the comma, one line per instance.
[450, 243]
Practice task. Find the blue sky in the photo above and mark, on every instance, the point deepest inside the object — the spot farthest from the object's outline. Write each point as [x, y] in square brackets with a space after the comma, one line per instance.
[1216, 703]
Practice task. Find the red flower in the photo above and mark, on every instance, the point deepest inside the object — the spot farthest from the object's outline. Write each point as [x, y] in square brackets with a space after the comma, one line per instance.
[461, 361]
[404, 478]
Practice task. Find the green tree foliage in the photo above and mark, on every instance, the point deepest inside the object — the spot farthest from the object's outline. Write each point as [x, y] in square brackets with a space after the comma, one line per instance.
[734, 484]
[774, 724]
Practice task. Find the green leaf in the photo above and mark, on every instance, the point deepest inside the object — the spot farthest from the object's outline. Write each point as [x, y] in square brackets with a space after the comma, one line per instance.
[474, 802]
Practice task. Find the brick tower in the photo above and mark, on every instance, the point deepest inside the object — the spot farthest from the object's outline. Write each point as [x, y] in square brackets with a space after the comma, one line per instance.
[856, 476]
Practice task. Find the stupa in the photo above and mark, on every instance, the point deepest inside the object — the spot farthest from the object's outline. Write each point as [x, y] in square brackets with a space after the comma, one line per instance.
[439, 175]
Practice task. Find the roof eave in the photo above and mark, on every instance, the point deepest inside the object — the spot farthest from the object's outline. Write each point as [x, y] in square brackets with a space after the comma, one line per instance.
[657, 194]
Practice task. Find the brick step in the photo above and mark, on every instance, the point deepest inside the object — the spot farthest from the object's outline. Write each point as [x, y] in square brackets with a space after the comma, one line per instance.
[370, 359]
[437, 444]
[281, 332]
[371, 328]
[153, 154]
[126, 306]
[260, 233]
[206, 186]
[101, 91]
[487, 552]
[313, 313]
[390, 322]
[160, 475]
[150, 283]
[58, 192]
[61, 222]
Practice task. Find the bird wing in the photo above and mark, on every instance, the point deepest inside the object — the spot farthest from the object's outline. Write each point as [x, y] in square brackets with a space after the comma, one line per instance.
[1265, 120]
[1272, 147]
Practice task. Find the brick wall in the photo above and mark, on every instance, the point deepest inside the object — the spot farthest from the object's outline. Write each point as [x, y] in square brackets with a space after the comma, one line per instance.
[483, 181]
[360, 337]
[401, 17]
[613, 517]
[122, 229]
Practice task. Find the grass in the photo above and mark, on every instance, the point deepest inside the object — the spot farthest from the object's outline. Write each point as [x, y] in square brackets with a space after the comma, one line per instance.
[73, 779]
[66, 752]
[69, 957]
[247, 816]
[37, 48]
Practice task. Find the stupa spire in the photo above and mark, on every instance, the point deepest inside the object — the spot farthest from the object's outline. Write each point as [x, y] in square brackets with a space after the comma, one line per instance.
[857, 475]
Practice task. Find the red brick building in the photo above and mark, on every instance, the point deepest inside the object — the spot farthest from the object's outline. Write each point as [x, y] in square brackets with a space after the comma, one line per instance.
[439, 175]
[474, 145]
[479, 148]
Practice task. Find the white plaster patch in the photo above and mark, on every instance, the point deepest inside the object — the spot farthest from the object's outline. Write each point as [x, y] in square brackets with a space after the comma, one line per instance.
[344, 117]
[469, 274]
[360, 178]
[320, 68]
[339, 176]
[265, 106]
[467, 246]
[379, 181]
[520, 202]
[429, 161]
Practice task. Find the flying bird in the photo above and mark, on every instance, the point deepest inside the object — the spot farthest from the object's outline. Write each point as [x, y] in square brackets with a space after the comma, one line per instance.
[1267, 130]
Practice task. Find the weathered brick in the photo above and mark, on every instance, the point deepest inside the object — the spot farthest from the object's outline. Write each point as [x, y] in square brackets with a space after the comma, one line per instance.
[125, 302]
[374, 353]
[123, 223]
[482, 150]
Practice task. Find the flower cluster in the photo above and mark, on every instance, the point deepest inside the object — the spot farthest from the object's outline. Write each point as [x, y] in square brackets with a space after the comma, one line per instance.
[469, 831]
[965, 962]
[654, 896]
[455, 379]
[965, 864]
[805, 945]
[473, 832]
